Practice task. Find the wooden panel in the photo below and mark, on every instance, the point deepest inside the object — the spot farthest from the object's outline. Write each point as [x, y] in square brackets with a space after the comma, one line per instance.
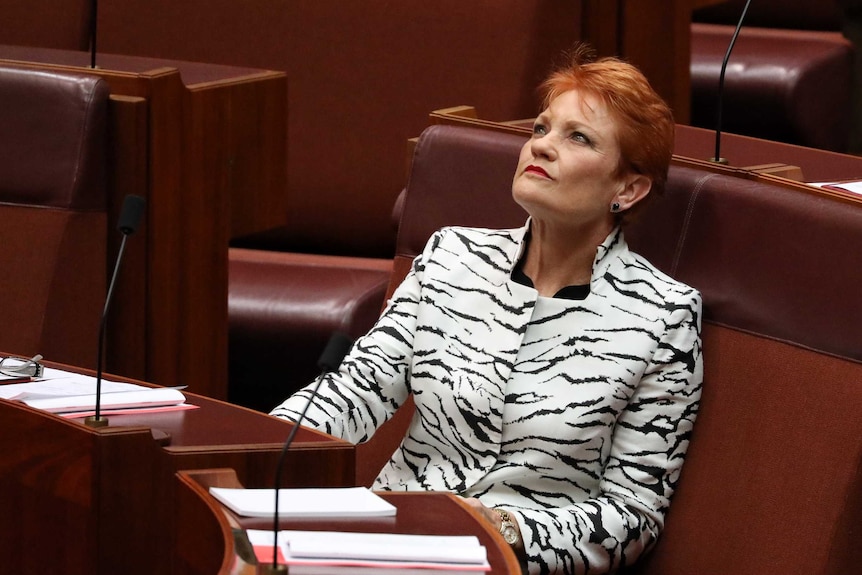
[656, 37]
[51, 23]
[243, 123]
[125, 342]
[652, 34]
[203, 543]
[601, 26]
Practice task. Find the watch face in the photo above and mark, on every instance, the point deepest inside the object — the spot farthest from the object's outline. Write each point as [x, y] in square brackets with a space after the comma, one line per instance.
[510, 535]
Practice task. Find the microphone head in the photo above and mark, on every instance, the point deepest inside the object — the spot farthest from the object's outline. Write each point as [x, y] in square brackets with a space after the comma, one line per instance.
[336, 348]
[131, 214]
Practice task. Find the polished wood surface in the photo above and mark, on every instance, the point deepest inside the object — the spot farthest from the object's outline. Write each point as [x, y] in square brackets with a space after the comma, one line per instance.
[204, 542]
[427, 513]
[101, 500]
[206, 145]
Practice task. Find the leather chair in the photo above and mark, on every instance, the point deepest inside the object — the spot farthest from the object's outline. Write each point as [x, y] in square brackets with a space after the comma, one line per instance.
[789, 77]
[53, 208]
[282, 309]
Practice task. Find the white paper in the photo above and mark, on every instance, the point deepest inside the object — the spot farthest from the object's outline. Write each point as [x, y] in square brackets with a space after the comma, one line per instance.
[62, 384]
[59, 391]
[853, 187]
[384, 546]
[317, 502]
[381, 550]
[147, 397]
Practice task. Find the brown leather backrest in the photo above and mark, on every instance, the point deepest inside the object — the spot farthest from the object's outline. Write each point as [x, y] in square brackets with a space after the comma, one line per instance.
[774, 83]
[53, 130]
[459, 177]
[776, 261]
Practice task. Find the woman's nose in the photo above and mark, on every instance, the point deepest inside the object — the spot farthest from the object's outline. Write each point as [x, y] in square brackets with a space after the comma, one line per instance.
[543, 146]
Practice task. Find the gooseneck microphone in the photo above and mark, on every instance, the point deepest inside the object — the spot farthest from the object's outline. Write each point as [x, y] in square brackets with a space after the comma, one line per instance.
[130, 218]
[336, 348]
[717, 157]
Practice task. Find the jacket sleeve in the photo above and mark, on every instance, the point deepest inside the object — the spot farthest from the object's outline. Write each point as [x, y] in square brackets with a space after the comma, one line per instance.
[624, 519]
[373, 381]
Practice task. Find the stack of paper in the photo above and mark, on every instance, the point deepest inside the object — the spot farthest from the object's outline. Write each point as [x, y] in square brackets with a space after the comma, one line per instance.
[294, 503]
[308, 552]
[854, 186]
[74, 395]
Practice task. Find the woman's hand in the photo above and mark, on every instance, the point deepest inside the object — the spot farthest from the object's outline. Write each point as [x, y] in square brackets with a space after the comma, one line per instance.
[494, 518]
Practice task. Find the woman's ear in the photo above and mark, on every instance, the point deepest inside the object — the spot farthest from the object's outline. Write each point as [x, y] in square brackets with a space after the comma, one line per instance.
[636, 187]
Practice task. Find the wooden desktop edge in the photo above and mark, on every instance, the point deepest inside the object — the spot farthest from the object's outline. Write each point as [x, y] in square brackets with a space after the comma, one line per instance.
[749, 173]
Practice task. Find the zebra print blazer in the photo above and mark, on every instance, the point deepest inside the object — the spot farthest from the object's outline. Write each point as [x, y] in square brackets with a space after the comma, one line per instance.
[573, 415]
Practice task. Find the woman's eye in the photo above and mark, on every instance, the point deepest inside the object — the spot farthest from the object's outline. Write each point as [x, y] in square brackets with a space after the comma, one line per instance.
[539, 129]
[580, 137]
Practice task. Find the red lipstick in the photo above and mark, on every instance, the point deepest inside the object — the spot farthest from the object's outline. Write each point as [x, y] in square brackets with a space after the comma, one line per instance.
[537, 170]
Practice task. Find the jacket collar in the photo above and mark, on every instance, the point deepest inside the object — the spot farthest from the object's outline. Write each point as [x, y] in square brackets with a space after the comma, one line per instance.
[609, 251]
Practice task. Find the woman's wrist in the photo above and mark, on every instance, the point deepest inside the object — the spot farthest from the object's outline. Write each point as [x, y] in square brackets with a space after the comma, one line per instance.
[509, 529]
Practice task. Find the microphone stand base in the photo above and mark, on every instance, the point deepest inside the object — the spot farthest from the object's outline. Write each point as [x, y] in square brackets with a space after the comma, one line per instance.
[96, 422]
[722, 161]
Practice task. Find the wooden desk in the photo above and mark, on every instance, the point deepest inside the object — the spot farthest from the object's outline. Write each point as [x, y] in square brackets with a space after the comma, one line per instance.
[101, 501]
[418, 513]
[206, 145]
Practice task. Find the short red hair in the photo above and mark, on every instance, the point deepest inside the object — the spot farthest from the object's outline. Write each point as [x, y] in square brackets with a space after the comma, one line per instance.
[644, 121]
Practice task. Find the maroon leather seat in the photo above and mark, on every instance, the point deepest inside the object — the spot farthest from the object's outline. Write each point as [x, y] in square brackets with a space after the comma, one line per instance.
[52, 205]
[282, 309]
[788, 79]
[775, 262]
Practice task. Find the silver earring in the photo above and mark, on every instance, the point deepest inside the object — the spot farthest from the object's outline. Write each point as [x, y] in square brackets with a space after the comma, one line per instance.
[615, 207]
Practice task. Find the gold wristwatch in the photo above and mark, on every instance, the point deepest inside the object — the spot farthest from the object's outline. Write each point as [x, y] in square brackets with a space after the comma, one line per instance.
[508, 529]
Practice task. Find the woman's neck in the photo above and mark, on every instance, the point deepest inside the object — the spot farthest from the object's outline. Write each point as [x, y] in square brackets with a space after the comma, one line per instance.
[556, 259]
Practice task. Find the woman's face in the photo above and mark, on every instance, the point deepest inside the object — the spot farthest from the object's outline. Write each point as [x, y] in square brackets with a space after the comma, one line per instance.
[567, 172]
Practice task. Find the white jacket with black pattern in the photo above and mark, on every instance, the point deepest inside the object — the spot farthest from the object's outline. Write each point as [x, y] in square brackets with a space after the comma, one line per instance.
[574, 415]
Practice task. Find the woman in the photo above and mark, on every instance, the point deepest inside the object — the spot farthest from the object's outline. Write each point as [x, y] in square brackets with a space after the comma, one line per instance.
[556, 374]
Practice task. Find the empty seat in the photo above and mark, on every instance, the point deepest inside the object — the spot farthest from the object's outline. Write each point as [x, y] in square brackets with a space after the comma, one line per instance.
[282, 309]
[53, 208]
